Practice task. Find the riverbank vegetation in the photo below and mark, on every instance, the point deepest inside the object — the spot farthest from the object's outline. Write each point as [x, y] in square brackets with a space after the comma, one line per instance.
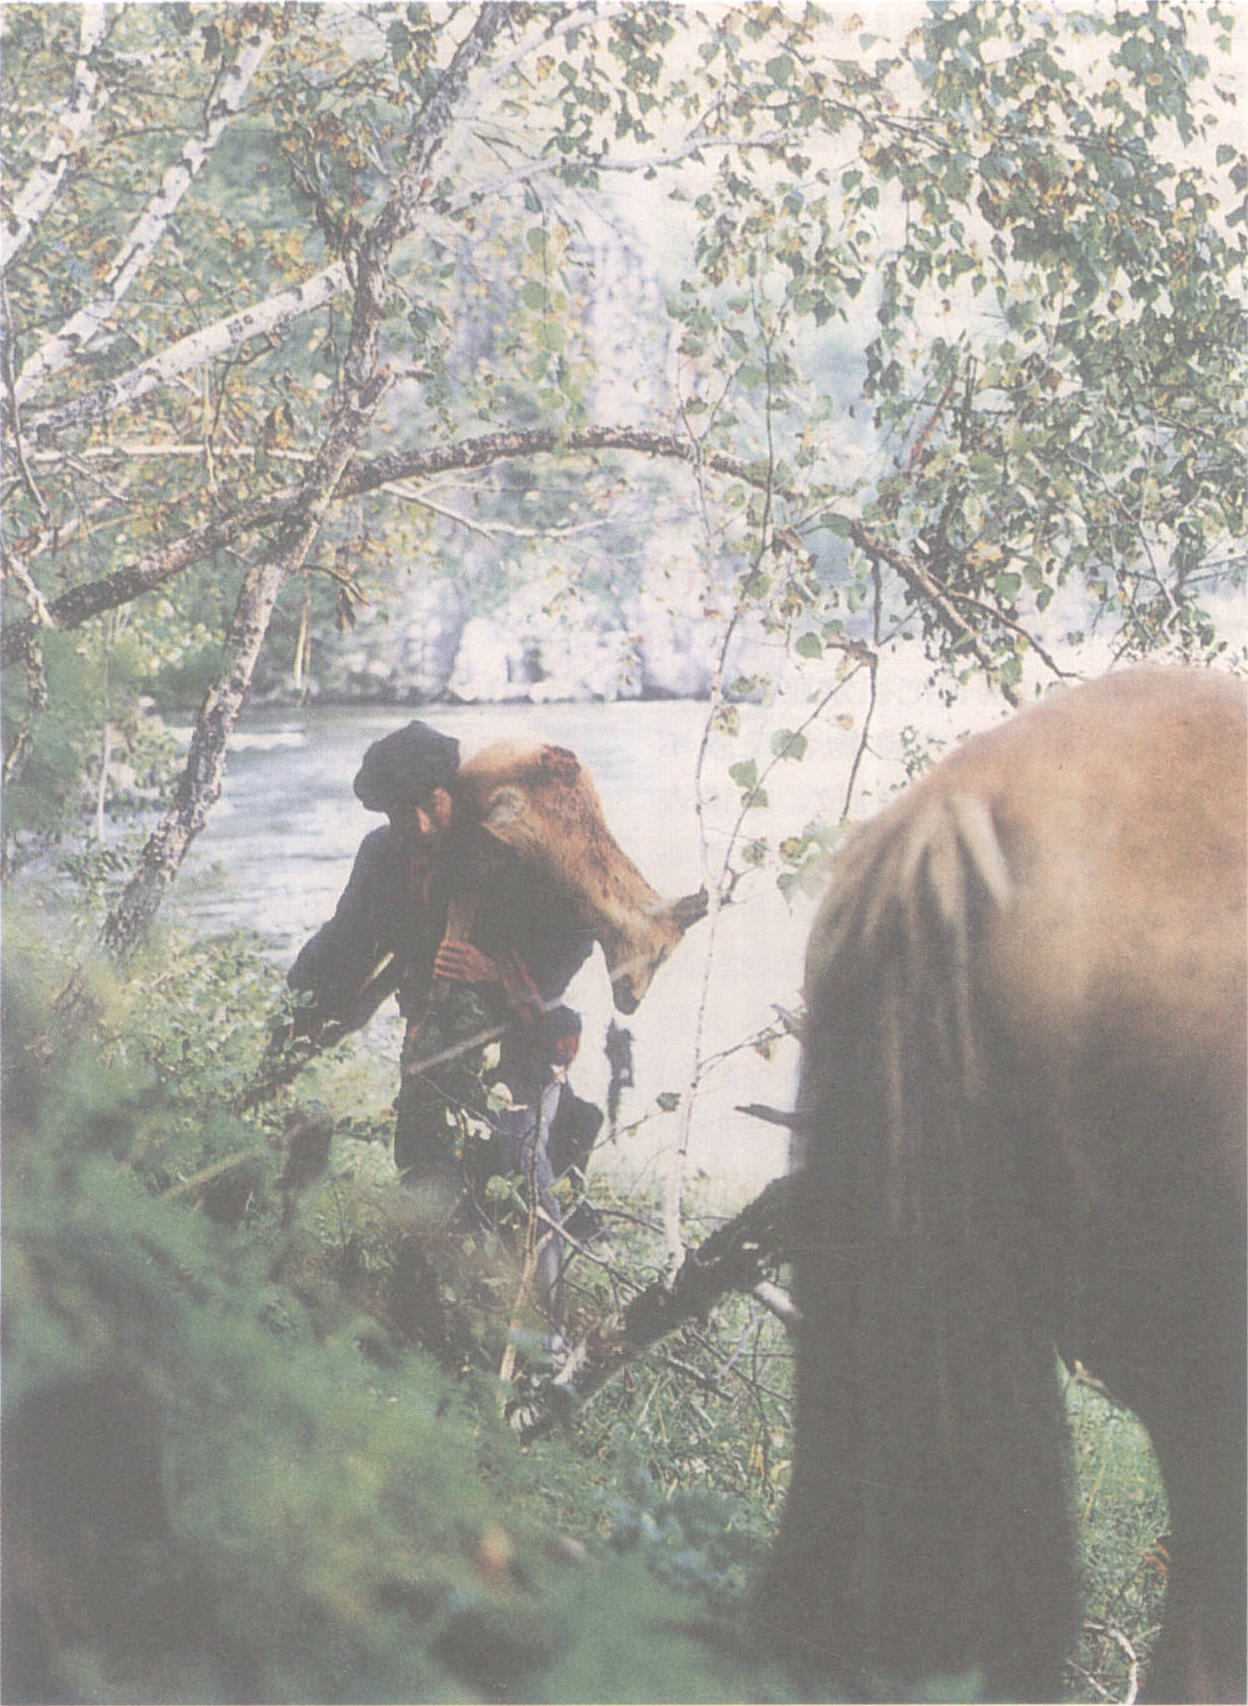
[876, 342]
[257, 1444]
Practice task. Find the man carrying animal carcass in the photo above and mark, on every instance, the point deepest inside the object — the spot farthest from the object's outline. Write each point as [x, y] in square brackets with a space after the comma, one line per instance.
[477, 949]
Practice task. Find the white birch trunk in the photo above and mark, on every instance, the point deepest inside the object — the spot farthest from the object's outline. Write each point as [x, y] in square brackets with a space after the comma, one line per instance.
[365, 382]
[271, 315]
[58, 350]
[35, 197]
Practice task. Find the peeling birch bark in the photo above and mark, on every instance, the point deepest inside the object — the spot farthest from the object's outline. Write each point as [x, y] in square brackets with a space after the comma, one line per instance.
[272, 315]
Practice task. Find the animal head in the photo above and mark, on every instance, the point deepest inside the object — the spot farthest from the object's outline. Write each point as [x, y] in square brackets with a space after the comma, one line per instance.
[541, 801]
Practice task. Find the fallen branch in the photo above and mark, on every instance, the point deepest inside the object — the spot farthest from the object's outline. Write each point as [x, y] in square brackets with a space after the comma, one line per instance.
[735, 1257]
[1107, 1632]
[218, 1170]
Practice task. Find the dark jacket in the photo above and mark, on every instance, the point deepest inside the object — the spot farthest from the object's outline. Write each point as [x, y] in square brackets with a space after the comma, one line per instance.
[385, 931]
[518, 911]
[381, 940]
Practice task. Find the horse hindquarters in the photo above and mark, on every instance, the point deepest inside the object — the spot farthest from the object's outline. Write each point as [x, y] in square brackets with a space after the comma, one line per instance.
[926, 1531]
[1024, 1112]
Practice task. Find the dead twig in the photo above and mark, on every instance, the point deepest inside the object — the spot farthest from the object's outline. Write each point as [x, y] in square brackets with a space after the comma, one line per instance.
[1108, 1632]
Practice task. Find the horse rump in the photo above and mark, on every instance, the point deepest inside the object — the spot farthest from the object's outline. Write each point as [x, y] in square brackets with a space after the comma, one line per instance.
[1024, 1045]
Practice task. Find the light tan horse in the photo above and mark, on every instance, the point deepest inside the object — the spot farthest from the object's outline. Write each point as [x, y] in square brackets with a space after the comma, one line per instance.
[541, 801]
[1023, 1122]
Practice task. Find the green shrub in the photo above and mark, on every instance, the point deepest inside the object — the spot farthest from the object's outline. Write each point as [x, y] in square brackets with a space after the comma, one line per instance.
[214, 1494]
[252, 1432]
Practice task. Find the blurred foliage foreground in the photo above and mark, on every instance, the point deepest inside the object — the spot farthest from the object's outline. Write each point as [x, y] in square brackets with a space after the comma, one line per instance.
[239, 1467]
[231, 1473]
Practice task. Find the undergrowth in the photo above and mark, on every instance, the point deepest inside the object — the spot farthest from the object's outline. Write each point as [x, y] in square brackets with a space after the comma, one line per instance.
[253, 1430]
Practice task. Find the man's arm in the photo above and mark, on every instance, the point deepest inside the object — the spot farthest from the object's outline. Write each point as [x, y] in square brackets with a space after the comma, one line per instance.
[347, 969]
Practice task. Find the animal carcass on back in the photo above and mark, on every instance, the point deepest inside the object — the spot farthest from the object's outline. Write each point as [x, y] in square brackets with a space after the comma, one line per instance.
[541, 801]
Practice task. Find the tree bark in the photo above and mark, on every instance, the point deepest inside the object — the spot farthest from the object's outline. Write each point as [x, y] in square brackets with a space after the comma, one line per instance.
[65, 133]
[80, 604]
[262, 318]
[928, 590]
[94, 598]
[204, 773]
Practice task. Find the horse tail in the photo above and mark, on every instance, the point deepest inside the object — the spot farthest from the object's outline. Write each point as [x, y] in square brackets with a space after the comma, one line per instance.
[926, 1533]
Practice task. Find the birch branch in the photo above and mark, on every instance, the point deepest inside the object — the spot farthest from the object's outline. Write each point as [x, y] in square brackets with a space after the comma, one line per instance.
[491, 529]
[80, 604]
[58, 350]
[929, 590]
[38, 193]
[272, 315]
[365, 382]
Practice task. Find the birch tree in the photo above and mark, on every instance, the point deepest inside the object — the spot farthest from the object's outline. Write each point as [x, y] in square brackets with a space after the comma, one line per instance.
[63, 133]
[249, 251]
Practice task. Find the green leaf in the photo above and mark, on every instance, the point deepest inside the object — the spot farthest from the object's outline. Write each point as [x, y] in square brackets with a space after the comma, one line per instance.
[786, 744]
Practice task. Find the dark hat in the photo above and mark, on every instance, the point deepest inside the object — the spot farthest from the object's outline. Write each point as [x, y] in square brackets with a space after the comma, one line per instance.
[405, 766]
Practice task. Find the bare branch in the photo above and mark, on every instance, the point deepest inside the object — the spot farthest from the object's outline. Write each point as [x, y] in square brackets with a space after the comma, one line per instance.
[36, 704]
[40, 615]
[781, 1305]
[71, 124]
[10, 396]
[480, 452]
[58, 350]
[734, 1258]
[81, 603]
[489, 529]
[929, 590]
[1107, 1632]
[92, 599]
[1046, 657]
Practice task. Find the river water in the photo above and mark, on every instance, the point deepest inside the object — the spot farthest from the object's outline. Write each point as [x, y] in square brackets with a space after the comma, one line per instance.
[279, 846]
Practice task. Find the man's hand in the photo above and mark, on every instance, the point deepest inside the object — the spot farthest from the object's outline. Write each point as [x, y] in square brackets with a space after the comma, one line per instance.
[460, 962]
